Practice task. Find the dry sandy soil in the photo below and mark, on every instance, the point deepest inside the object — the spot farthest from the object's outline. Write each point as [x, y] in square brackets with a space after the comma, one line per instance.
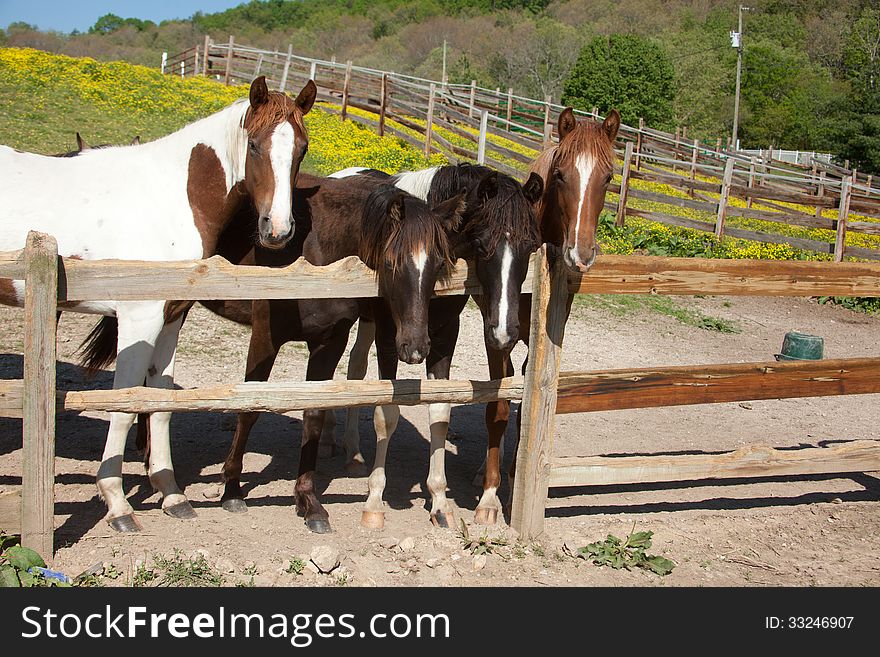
[792, 531]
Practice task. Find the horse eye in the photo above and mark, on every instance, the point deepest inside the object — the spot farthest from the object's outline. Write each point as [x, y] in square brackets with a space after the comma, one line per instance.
[557, 174]
[255, 150]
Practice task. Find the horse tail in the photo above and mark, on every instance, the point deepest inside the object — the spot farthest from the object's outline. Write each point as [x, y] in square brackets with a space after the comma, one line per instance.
[99, 347]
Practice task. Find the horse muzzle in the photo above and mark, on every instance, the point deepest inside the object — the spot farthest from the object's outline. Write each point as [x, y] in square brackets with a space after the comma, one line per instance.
[270, 237]
[573, 260]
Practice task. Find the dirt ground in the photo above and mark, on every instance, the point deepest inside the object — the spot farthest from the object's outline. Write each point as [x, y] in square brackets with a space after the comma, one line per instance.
[791, 531]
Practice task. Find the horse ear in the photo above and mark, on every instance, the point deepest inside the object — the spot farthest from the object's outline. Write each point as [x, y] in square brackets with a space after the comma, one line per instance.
[306, 97]
[567, 122]
[450, 210]
[488, 187]
[136, 141]
[611, 124]
[395, 208]
[81, 144]
[533, 188]
[259, 92]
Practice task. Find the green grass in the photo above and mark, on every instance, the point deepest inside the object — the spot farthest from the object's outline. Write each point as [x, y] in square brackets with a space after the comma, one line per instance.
[621, 305]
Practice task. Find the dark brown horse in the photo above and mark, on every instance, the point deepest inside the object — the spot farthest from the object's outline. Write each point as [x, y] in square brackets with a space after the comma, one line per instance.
[398, 236]
[499, 231]
[578, 170]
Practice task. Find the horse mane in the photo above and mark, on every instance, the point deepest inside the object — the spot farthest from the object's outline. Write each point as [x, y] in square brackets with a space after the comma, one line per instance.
[586, 138]
[389, 237]
[243, 121]
[494, 217]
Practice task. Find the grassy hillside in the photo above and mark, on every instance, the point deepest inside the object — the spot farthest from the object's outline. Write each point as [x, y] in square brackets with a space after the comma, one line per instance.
[47, 98]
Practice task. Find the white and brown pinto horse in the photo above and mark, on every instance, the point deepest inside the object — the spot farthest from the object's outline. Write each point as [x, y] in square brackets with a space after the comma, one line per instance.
[169, 199]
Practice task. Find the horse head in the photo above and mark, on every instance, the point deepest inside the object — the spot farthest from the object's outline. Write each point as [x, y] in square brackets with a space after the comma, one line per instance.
[277, 142]
[578, 171]
[405, 241]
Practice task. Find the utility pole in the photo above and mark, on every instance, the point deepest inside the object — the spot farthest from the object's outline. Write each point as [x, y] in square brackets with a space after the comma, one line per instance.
[736, 42]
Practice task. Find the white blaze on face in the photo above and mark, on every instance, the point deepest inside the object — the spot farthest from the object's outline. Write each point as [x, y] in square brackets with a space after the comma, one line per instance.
[420, 259]
[506, 261]
[281, 156]
[584, 165]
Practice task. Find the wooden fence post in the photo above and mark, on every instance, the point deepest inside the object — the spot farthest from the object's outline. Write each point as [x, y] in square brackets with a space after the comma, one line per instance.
[595, 112]
[639, 144]
[820, 193]
[752, 168]
[164, 61]
[694, 156]
[205, 55]
[182, 69]
[481, 143]
[538, 409]
[548, 127]
[383, 101]
[313, 72]
[718, 146]
[429, 126]
[842, 217]
[624, 184]
[509, 106]
[38, 403]
[675, 148]
[286, 69]
[258, 66]
[229, 60]
[196, 63]
[473, 98]
[345, 85]
[725, 195]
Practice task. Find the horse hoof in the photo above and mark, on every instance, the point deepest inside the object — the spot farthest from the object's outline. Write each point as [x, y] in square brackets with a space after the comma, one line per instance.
[181, 511]
[234, 505]
[443, 520]
[485, 516]
[373, 519]
[125, 524]
[356, 468]
[318, 525]
[326, 450]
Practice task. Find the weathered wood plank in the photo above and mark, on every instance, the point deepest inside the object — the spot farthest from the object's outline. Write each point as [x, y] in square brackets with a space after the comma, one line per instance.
[634, 275]
[749, 461]
[38, 403]
[283, 397]
[710, 384]
[11, 391]
[538, 409]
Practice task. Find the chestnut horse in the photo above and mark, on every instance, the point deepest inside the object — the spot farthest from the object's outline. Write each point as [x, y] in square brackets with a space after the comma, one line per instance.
[499, 230]
[398, 236]
[578, 170]
[166, 200]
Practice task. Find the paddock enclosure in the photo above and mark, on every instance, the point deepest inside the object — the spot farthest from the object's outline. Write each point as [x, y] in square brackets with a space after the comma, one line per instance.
[544, 390]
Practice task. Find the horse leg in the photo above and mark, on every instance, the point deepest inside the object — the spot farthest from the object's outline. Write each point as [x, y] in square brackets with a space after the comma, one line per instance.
[262, 352]
[323, 358]
[327, 442]
[357, 369]
[138, 330]
[497, 416]
[160, 374]
[385, 420]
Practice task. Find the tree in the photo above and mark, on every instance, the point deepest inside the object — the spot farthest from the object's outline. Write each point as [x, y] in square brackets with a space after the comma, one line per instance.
[627, 72]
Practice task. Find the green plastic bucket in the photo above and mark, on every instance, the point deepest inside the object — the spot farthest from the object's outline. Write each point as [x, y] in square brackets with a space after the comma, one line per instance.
[801, 346]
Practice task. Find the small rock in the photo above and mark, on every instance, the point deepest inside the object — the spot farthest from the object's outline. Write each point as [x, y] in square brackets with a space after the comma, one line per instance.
[265, 579]
[388, 542]
[224, 565]
[407, 544]
[479, 562]
[285, 565]
[202, 551]
[311, 568]
[837, 500]
[325, 557]
[138, 563]
[455, 557]
[249, 565]
[745, 405]
[431, 563]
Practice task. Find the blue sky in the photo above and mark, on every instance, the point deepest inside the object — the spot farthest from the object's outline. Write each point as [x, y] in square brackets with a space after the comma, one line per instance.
[67, 15]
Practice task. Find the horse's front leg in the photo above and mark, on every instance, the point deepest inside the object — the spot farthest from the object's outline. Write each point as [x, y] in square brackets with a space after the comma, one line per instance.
[324, 356]
[160, 374]
[262, 352]
[357, 369]
[139, 326]
[385, 420]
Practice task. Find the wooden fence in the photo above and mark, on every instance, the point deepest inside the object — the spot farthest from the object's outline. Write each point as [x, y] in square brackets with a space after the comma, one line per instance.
[704, 187]
[544, 390]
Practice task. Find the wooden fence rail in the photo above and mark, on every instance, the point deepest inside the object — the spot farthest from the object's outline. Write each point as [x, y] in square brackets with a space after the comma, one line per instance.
[544, 391]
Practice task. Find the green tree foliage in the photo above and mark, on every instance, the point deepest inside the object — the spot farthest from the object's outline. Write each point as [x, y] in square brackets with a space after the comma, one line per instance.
[111, 23]
[627, 72]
